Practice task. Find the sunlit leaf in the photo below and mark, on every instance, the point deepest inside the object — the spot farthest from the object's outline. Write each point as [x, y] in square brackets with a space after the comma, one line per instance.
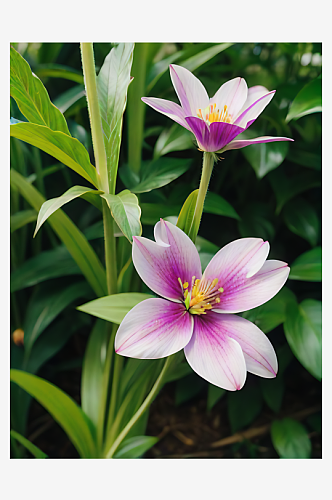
[290, 439]
[174, 139]
[59, 71]
[186, 216]
[113, 308]
[62, 408]
[303, 330]
[308, 100]
[308, 266]
[126, 212]
[135, 447]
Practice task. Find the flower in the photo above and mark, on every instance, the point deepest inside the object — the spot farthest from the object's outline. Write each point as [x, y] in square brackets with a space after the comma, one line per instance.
[196, 315]
[217, 121]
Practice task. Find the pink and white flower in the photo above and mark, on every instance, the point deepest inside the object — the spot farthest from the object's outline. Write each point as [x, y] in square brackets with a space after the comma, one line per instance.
[196, 315]
[217, 121]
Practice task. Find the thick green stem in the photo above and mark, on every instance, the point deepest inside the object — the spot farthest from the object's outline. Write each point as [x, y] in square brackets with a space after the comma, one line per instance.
[145, 405]
[90, 80]
[208, 161]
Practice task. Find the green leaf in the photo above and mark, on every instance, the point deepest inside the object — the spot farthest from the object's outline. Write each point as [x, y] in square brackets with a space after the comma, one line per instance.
[301, 218]
[257, 220]
[271, 314]
[187, 388]
[290, 439]
[176, 138]
[204, 56]
[206, 246]
[63, 147]
[75, 241]
[22, 218]
[303, 330]
[62, 408]
[50, 206]
[244, 406]
[160, 172]
[113, 308]
[45, 306]
[308, 266]
[186, 216]
[44, 266]
[65, 100]
[34, 450]
[305, 158]
[266, 156]
[214, 395]
[215, 204]
[32, 97]
[112, 85]
[135, 447]
[273, 391]
[126, 212]
[93, 370]
[59, 71]
[308, 100]
[153, 212]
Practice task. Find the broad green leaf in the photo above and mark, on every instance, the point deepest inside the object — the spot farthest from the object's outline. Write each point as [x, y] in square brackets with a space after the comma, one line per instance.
[64, 148]
[93, 370]
[266, 156]
[153, 212]
[303, 330]
[205, 246]
[271, 314]
[215, 204]
[135, 447]
[244, 406]
[71, 236]
[46, 305]
[62, 408]
[34, 450]
[22, 218]
[113, 308]
[301, 218]
[204, 56]
[290, 439]
[112, 85]
[160, 172]
[273, 391]
[44, 266]
[285, 188]
[32, 97]
[126, 212]
[186, 216]
[50, 206]
[187, 388]
[308, 266]
[59, 71]
[308, 100]
[176, 138]
[65, 100]
[214, 395]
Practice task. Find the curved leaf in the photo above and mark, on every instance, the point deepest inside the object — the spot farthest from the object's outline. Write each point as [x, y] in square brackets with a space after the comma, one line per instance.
[308, 100]
[135, 447]
[50, 206]
[62, 408]
[308, 266]
[301, 218]
[174, 139]
[34, 450]
[126, 212]
[290, 439]
[303, 330]
[160, 172]
[113, 308]
[22, 218]
[266, 156]
[215, 204]
[64, 148]
[32, 97]
[187, 212]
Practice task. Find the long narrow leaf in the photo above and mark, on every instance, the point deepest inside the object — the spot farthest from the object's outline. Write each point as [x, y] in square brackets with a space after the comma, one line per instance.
[34, 450]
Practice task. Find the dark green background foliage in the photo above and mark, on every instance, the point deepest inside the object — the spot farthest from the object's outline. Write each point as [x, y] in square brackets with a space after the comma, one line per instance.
[271, 191]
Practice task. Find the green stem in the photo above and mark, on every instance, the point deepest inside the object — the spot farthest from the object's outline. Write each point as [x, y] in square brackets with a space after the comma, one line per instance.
[148, 400]
[118, 364]
[110, 250]
[90, 80]
[208, 161]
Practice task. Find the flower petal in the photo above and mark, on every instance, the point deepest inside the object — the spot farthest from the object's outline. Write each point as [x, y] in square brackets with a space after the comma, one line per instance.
[254, 93]
[153, 329]
[254, 110]
[190, 90]
[243, 143]
[221, 134]
[257, 349]
[233, 94]
[168, 108]
[214, 355]
[241, 294]
[161, 263]
[201, 131]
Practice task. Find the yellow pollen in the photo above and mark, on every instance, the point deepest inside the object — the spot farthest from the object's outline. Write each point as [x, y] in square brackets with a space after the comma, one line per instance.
[214, 282]
[220, 290]
[217, 300]
[185, 294]
[212, 114]
[185, 285]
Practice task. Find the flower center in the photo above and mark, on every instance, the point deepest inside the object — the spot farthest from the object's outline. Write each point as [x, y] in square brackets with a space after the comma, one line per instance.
[203, 295]
[210, 114]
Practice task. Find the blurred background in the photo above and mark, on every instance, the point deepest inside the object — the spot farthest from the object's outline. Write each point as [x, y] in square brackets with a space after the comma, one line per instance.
[271, 191]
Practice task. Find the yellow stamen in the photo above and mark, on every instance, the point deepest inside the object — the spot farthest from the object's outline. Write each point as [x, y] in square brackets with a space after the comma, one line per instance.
[185, 285]
[220, 290]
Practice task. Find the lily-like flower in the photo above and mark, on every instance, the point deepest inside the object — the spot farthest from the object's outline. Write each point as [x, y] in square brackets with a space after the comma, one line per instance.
[217, 121]
[196, 315]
